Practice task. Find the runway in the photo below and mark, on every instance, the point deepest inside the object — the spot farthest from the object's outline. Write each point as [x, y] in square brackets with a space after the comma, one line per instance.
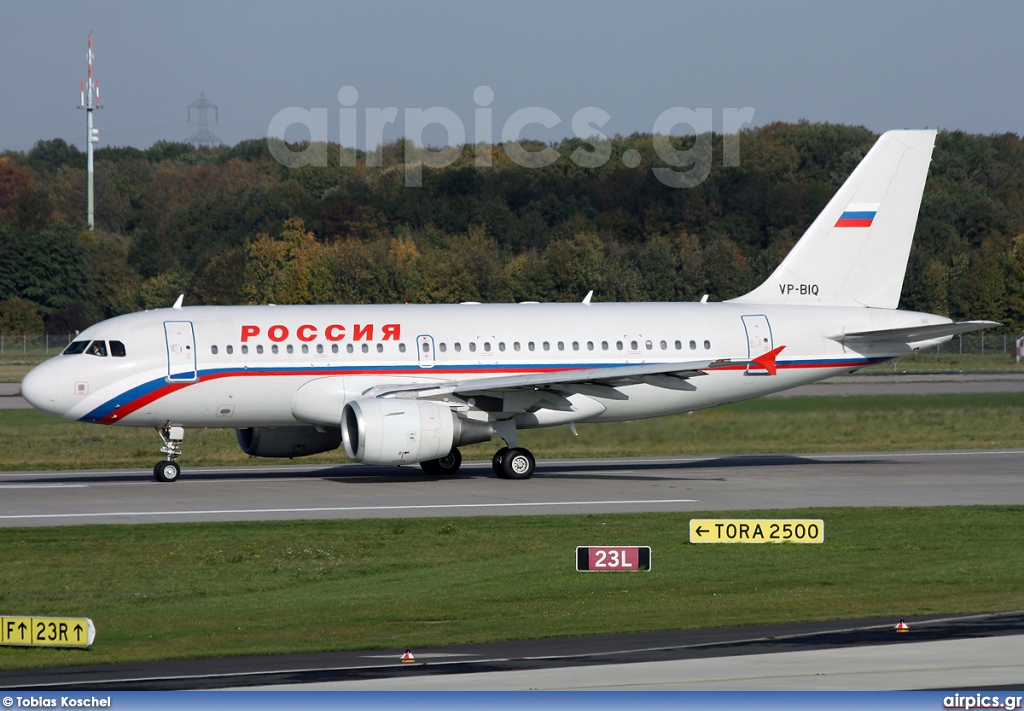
[938, 652]
[569, 486]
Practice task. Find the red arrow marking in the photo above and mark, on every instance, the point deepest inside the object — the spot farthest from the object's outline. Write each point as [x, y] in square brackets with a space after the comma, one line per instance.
[767, 360]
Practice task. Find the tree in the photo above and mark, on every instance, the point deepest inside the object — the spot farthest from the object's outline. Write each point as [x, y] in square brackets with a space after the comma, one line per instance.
[19, 317]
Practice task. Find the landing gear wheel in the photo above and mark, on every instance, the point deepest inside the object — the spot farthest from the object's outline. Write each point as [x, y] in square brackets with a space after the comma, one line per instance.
[166, 471]
[499, 456]
[445, 466]
[518, 463]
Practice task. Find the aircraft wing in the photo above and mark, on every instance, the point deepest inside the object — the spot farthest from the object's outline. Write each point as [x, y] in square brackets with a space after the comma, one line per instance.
[913, 334]
[600, 382]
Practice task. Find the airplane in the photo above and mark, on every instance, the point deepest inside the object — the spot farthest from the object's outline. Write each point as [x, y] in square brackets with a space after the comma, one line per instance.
[410, 383]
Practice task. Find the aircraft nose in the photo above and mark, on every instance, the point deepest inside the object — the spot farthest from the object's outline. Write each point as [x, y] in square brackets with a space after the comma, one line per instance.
[39, 388]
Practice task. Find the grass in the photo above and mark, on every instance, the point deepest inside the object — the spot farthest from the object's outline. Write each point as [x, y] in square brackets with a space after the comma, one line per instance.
[31, 440]
[166, 591]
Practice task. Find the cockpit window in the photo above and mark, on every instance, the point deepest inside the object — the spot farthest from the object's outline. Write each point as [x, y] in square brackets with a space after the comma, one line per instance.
[75, 348]
[117, 349]
[97, 348]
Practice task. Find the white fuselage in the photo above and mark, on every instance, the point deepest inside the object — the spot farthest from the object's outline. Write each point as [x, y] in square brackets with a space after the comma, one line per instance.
[246, 366]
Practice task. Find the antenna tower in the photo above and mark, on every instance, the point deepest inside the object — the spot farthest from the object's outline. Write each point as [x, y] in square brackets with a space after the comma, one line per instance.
[90, 102]
[203, 137]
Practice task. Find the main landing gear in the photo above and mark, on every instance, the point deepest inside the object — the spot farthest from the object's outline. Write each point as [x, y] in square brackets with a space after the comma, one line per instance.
[513, 463]
[168, 470]
[508, 463]
[445, 466]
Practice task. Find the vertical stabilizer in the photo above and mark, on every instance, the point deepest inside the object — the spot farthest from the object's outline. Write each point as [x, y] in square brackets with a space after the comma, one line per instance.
[855, 253]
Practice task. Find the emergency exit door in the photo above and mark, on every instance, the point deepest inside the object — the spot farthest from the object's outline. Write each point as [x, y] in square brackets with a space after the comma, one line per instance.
[181, 351]
[759, 340]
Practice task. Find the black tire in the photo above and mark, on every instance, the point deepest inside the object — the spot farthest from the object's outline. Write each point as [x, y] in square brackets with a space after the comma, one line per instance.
[518, 463]
[496, 463]
[166, 472]
[447, 465]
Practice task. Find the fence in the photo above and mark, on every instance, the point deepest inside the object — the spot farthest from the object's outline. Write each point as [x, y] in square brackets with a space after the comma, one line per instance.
[34, 344]
[979, 342]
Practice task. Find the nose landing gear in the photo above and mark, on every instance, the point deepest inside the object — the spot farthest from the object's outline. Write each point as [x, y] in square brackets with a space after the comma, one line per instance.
[168, 470]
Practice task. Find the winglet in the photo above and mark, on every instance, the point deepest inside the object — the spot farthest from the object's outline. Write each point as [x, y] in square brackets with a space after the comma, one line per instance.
[179, 302]
[588, 297]
[767, 360]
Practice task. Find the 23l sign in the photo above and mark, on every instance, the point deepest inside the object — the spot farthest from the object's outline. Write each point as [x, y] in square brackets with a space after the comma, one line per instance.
[600, 558]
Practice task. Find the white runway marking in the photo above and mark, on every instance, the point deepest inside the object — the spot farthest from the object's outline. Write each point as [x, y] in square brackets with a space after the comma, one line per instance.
[351, 508]
[43, 486]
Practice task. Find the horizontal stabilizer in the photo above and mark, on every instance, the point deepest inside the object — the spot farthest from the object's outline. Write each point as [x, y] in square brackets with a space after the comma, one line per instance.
[914, 334]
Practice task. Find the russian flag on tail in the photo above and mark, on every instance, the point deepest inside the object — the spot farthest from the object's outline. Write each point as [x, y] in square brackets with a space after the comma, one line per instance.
[858, 214]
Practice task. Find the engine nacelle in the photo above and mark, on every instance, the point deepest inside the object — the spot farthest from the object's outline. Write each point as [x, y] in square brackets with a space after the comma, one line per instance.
[397, 431]
[288, 441]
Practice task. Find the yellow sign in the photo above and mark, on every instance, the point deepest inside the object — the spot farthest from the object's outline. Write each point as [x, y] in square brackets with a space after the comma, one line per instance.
[757, 530]
[47, 631]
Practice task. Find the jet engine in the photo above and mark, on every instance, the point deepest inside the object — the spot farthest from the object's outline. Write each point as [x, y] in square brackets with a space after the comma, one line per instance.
[398, 431]
[288, 441]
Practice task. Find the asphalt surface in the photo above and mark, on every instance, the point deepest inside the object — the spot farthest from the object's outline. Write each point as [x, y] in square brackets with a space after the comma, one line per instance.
[607, 662]
[570, 486]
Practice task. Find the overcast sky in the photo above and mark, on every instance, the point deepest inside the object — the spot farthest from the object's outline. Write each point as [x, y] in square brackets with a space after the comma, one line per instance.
[881, 64]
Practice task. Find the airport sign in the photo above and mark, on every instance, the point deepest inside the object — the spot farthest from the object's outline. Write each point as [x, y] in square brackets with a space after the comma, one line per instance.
[757, 530]
[613, 558]
[47, 631]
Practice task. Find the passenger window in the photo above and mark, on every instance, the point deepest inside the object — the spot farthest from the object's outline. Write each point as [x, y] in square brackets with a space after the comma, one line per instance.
[515, 346]
[590, 345]
[366, 348]
[305, 348]
[401, 348]
[501, 346]
[693, 345]
[633, 346]
[213, 349]
[472, 347]
[75, 348]
[664, 346]
[319, 347]
[290, 348]
[649, 345]
[245, 350]
[380, 347]
[259, 350]
[117, 349]
[575, 345]
[274, 349]
[604, 345]
[229, 350]
[442, 347]
[561, 346]
[531, 345]
[334, 348]
[618, 345]
[458, 347]
[349, 348]
[97, 348]
[487, 347]
[679, 345]
[547, 346]
[707, 345]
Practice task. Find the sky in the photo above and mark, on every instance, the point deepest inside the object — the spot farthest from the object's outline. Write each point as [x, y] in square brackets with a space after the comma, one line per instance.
[880, 64]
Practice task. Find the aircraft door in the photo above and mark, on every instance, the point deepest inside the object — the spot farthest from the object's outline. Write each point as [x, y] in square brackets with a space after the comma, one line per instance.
[425, 351]
[181, 351]
[759, 340]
